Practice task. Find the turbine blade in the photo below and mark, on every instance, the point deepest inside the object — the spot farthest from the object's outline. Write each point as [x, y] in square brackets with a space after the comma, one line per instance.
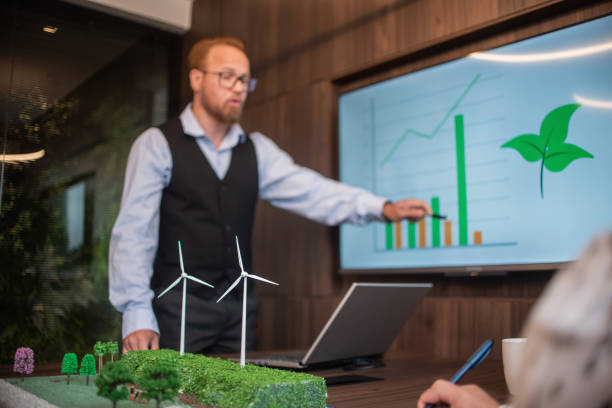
[239, 255]
[199, 281]
[176, 282]
[181, 257]
[261, 279]
[230, 288]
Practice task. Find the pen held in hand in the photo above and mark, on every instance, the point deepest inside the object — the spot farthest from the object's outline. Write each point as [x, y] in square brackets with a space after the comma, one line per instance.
[472, 362]
[438, 216]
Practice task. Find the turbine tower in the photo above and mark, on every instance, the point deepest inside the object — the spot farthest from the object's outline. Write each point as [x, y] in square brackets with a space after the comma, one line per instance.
[244, 275]
[184, 277]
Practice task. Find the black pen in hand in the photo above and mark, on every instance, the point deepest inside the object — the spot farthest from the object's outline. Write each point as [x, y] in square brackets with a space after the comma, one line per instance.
[475, 359]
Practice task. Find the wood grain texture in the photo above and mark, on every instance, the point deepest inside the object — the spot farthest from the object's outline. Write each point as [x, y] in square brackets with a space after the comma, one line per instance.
[404, 378]
[306, 52]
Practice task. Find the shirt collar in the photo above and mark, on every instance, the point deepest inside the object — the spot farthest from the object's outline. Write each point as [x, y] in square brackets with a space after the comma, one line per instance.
[192, 127]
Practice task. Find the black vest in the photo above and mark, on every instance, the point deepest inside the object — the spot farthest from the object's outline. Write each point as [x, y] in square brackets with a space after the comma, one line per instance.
[205, 214]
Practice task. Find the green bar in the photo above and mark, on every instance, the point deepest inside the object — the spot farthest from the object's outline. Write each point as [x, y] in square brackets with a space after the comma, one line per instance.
[389, 234]
[412, 235]
[461, 186]
[435, 222]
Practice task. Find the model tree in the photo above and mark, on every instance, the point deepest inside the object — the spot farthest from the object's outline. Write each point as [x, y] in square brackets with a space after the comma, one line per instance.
[113, 348]
[160, 381]
[88, 366]
[113, 382]
[24, 361]
[70, 365]
[99, 350]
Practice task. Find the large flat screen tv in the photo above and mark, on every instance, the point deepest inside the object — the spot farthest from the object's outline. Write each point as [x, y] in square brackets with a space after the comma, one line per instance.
[513, 145]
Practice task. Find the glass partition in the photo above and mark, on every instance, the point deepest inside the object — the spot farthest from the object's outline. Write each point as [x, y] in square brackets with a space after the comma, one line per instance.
[78, 87]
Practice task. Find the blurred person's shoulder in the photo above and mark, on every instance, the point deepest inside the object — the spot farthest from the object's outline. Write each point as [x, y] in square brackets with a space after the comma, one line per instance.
[578, 300]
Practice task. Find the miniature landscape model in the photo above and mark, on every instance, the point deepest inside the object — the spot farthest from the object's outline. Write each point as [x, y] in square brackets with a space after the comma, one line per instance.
[154, 376]
[165, 375]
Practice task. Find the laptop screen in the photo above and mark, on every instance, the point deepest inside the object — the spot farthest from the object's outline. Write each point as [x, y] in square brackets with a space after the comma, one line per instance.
[366, 321]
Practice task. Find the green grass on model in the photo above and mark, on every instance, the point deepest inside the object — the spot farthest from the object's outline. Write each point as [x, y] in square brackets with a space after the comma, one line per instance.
[78, 395]
[222, 383]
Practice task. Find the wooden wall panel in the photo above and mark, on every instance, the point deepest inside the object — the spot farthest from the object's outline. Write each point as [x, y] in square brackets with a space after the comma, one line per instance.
[285, 233]
[205, 22]
[304, 53]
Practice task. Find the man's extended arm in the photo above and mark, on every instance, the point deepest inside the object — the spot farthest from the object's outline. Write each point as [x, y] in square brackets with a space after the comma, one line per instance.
[304, 191]
[134, 239]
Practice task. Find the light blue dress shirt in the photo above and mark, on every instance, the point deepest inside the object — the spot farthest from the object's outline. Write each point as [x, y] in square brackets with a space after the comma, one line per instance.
[283, 183]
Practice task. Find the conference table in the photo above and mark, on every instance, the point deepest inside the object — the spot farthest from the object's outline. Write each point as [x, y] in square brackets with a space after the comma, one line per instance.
[397, 384]
[404, 377]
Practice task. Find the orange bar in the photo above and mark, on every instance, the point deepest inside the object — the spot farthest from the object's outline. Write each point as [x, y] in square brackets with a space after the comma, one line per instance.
[398, 235]
[448, 229]
[422, 237]
[477, 237]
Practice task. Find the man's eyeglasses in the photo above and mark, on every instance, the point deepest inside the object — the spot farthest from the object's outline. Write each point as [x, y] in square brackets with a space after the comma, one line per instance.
[228, 79]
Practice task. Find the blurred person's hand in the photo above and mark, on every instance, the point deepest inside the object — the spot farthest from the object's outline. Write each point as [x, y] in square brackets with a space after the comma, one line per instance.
[141, 340]
[456, 396]
[410, 208]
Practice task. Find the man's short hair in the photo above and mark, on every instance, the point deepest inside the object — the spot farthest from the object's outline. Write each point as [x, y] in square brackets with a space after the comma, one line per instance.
[200, 50]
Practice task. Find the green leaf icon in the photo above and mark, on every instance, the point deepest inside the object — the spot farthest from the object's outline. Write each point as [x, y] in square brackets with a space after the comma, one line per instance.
[530, 146]
[563, 155]
[555, 124]
[549, 146]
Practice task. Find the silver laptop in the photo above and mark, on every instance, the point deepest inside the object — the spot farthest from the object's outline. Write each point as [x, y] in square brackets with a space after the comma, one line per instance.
[364, 324]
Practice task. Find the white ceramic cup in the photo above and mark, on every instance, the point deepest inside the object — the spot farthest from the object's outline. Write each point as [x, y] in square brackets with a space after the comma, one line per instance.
[512, 353]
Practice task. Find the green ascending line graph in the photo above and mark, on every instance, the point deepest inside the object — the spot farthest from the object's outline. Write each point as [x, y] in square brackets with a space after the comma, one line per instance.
[415, 132]
[462, 213]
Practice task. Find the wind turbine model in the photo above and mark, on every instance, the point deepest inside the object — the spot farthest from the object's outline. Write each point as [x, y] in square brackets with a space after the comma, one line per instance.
[244, 275]
[184, 277]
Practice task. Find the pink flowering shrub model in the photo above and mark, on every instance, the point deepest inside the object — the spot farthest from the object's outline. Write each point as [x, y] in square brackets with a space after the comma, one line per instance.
[24, 361]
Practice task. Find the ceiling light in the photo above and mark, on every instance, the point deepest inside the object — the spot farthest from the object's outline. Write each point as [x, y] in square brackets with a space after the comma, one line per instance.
[21, 158]
[49, 29]
[594, 103]
[543, 56]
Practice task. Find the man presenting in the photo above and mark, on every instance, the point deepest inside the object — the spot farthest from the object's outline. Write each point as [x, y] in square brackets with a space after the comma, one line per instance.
[197, 179]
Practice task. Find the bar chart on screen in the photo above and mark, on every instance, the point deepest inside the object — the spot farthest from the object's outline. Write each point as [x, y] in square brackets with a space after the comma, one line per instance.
[501, 145]
[443, 153]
